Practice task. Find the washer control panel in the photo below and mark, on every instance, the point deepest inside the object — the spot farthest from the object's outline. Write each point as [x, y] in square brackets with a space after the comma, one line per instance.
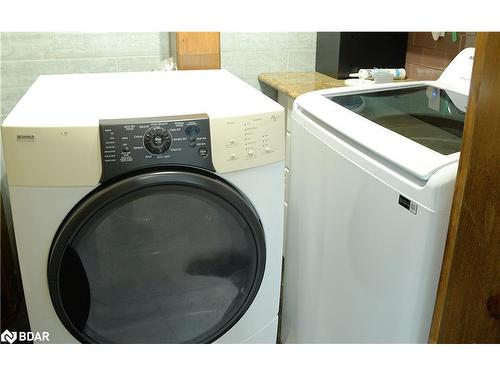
[131, 144]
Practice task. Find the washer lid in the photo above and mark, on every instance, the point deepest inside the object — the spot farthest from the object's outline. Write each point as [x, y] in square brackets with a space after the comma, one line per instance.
[425, 114]
[419, 124]
[417, 127]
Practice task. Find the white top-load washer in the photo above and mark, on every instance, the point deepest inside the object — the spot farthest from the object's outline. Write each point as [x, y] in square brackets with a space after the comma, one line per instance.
[147, 207]
[372, 174]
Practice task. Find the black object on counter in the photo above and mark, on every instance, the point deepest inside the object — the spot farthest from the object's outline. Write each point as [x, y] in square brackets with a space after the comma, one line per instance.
[341, 53]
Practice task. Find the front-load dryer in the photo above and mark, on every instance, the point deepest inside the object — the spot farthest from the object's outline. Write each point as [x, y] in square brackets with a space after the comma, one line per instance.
[147, 207]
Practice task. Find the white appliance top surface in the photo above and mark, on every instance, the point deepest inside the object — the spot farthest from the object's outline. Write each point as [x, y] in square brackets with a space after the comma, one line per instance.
[364, 134]
[412, 157]
[84, 99]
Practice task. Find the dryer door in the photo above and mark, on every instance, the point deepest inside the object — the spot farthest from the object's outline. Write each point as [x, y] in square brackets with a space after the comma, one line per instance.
[162, 257]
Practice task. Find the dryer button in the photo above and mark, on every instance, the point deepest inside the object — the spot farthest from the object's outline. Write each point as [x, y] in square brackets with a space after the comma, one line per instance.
[203, 152]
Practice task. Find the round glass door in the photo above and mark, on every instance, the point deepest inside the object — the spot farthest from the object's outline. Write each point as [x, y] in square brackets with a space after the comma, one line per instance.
[164, 257]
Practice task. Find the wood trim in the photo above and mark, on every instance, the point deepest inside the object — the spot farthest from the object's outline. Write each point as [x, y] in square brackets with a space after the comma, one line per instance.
[468, 301]
[9, 286]
[196, 50]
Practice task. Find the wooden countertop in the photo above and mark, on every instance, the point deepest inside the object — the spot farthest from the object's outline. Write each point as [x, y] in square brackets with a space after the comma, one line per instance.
[294, 84]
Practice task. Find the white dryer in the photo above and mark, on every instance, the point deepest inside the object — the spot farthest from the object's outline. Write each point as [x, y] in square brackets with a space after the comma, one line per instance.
[372, 173]
[147, 207]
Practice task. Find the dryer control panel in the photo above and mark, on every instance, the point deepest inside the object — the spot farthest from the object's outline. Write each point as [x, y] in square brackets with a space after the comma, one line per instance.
[248, 141]
[131, 144]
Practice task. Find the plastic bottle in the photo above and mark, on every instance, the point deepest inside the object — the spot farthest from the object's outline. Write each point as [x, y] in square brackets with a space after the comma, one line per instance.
[397, 73]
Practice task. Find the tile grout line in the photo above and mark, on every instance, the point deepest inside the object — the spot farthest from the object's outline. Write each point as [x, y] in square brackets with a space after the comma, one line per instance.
[79, 58]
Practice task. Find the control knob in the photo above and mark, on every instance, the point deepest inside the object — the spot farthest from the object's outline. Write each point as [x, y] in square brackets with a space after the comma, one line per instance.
[157, 140]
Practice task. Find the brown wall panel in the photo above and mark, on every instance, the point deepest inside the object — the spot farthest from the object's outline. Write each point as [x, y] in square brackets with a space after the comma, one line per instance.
[426, 59]
[468, 301]
[197, 50]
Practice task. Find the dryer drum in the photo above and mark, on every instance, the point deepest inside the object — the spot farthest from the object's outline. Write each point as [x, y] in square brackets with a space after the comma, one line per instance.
[159, 257]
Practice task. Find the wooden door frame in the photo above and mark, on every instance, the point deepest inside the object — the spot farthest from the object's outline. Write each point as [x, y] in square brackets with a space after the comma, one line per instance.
[467, 306]
[196, 50]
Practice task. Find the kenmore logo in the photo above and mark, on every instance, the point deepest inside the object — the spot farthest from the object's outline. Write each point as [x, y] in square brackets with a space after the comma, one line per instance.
[26, 138]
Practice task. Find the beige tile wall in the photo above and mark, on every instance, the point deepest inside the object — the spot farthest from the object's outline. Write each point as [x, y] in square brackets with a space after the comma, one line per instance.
[248, 54]
[24, 56]
[426, 59]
